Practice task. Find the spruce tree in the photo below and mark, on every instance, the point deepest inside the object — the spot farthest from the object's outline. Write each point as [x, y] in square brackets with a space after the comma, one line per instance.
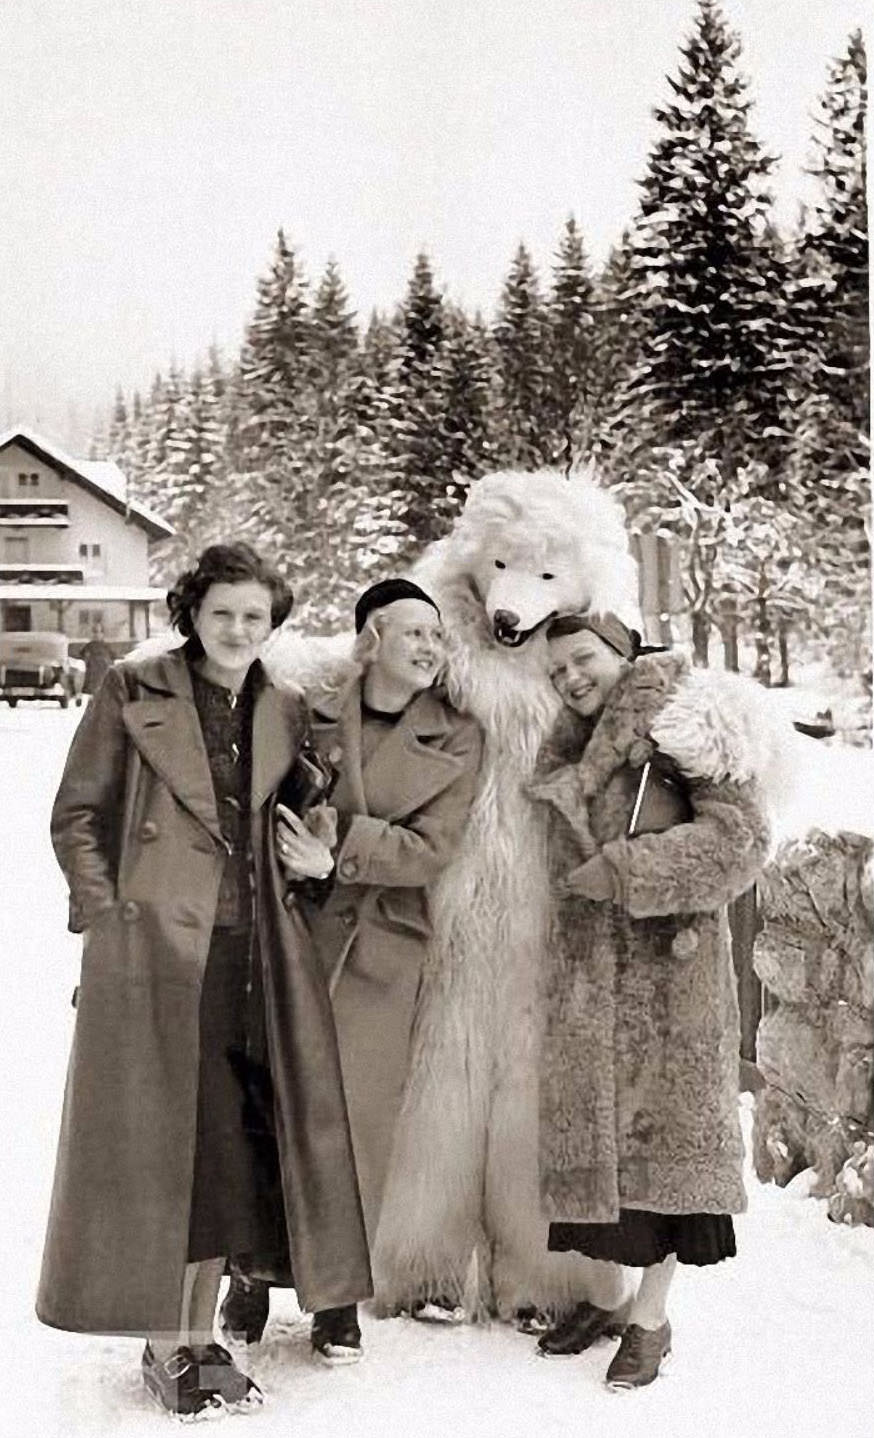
[570, 325]
[276, 359]
[521, 341]
[616, 342]
[468, 364]
[702, 260]
[827, 471]
[417, 435]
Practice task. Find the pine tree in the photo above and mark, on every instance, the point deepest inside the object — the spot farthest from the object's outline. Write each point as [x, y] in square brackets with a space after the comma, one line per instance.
[119, 438]
[333, 336]
[616, 344]
[334, 343]
[703, 260]
[827, 470]
[570, 326]
[468, 364]
[520, 333]
[417, 434]
[276, 359]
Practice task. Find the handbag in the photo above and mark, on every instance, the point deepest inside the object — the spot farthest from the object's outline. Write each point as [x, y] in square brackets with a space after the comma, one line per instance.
[662, 800]
[309, 781]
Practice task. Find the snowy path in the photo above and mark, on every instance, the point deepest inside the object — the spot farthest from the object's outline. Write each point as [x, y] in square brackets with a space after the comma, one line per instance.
[778, 1343]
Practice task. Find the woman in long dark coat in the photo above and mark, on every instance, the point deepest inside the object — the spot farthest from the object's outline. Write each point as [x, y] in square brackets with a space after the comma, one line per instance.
[641, 1148]
[204, 1115]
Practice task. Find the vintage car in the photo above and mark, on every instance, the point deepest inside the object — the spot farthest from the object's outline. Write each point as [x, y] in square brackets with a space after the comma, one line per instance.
[36, 664]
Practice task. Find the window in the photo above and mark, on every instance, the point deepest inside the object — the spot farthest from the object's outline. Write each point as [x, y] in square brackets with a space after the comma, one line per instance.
[89, 620]
[28, 481]
[85, 549]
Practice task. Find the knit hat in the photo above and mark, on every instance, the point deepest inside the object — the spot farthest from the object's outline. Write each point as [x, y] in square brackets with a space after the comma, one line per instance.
[608, 627]
[387, 591]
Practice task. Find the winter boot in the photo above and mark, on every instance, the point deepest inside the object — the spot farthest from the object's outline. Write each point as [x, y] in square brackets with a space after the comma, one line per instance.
[243, 1315]
[220, 1374]
[336, 1336]
[639, 1356]
[175, 1384]
[578, 1331]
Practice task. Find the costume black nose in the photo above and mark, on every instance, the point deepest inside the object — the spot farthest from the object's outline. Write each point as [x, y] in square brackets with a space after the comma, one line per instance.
[506, 619]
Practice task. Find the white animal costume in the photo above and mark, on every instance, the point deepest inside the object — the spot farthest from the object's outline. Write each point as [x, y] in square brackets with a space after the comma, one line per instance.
[463, 1183]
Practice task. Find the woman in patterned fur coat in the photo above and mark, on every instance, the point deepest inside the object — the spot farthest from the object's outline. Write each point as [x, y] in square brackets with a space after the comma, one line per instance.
[641, 1148]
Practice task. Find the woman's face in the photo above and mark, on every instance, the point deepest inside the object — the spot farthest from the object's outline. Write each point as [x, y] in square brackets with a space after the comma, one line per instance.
[232, 623]
[410, 645]
[584, 670]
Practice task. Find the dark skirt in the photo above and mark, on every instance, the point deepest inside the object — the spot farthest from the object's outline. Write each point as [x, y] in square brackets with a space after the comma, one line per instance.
[641, 1238]
[236, 1200]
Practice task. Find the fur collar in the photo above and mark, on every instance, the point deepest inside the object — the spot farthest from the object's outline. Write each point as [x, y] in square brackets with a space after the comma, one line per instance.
[582, 755]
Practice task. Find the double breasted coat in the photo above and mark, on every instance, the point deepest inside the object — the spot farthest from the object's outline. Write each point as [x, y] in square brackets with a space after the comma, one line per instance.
[136, 831]
[401, 816]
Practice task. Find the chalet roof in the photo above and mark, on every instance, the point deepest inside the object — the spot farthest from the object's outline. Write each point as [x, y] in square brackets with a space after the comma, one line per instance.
[101, 477]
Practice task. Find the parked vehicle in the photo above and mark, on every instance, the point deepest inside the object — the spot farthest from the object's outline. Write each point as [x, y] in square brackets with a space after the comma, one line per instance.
[36, 664]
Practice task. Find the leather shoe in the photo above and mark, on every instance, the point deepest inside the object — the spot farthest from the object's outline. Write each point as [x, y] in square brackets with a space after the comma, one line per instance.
[336, 1336]
[176, 1384]
[639, 1356]
[578, 1331]
[244, 1313]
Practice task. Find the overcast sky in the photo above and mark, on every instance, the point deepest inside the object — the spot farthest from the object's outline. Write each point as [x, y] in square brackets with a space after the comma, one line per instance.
[151, 148]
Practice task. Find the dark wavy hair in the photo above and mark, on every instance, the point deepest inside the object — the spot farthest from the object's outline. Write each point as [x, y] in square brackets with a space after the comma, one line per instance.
[225, 564]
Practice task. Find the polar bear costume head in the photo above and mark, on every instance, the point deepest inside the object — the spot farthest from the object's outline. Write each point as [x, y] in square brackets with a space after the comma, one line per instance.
[528, 547]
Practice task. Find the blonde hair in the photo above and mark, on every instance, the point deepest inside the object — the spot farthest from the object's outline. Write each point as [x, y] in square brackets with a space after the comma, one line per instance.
[366, 648]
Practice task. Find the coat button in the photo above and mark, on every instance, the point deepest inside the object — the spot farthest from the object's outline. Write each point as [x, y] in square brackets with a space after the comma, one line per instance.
[346, 917]
[349, 868]
[149, 830]
[130, 911]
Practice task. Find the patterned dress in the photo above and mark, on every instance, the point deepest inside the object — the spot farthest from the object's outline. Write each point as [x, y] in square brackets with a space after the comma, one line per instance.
[236, 1201]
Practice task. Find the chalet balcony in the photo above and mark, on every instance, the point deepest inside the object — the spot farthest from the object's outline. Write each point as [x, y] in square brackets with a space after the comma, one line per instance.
[34, 513]
[40, 574]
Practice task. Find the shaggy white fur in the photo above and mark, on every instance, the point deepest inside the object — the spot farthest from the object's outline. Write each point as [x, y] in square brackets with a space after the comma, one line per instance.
[718, 724]
[461, 1213]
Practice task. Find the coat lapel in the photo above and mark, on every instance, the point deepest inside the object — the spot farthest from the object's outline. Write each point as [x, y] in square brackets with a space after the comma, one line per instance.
[166, 730]
[343, 726]
[406, 771]
[275, 742]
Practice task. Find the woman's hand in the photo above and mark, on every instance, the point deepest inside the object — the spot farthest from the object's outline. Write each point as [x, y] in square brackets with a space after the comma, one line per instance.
[592, 880]
[301, 854]
[321, 821]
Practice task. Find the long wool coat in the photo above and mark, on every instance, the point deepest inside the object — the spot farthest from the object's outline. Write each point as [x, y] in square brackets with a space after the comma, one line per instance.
[640, 1060]
[401, 815]
[137, 834]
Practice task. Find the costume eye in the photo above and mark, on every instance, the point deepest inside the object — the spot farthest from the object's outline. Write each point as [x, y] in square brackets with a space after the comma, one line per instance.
[499, 564]
[547, 576]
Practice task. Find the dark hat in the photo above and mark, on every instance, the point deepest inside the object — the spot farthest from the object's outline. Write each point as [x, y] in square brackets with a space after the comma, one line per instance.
[608, 627]
[387, 591]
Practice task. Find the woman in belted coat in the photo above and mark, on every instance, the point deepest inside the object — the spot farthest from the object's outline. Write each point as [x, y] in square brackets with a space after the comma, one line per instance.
[204, 1109]
[408, 767]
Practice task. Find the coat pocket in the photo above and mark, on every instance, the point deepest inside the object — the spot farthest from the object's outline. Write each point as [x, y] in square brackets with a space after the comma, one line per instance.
[403, 911]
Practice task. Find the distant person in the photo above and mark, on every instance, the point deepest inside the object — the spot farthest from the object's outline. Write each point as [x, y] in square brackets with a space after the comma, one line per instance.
[204, 1116]
[641, 1150]
[98, 658]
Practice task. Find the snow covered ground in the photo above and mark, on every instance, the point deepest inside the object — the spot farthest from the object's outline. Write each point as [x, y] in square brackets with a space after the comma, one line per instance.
[778, 1342]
